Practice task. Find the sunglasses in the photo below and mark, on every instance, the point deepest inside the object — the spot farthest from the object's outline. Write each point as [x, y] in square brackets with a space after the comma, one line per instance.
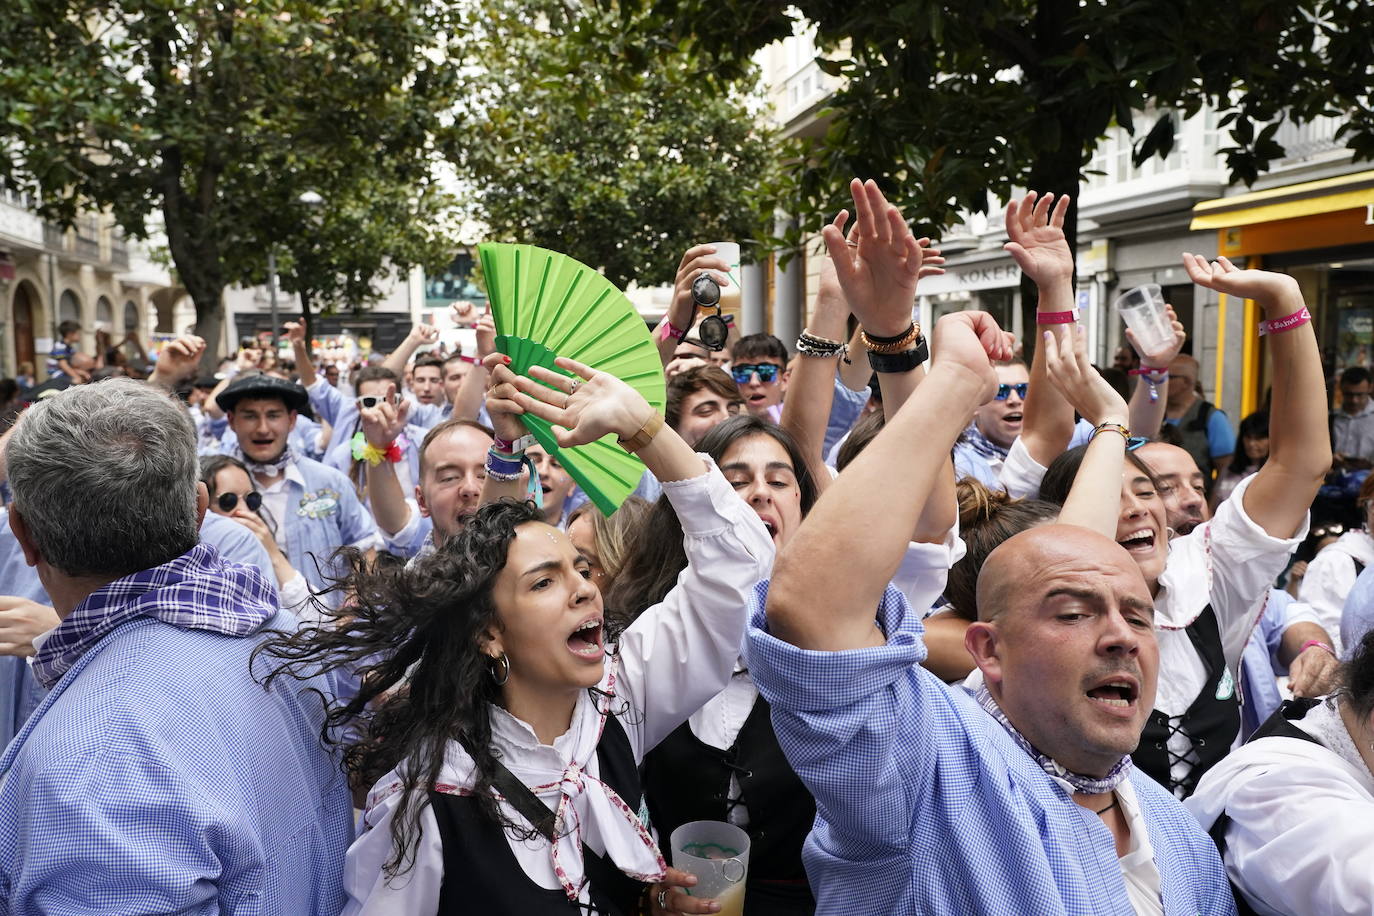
[1004, 391]
[767, 372]
[370, 401]
[227, 501]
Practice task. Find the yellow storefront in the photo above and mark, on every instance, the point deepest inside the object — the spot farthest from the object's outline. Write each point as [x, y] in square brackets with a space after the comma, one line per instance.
[1321, 232]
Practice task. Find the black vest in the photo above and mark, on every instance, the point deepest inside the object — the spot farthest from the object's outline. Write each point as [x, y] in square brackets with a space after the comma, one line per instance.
[1192, 429]
[1211, 723]
[1279, 724]
[686, 780]
[486, 878]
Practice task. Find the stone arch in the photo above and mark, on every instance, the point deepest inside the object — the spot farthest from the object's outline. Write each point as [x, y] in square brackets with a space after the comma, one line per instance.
[27, 314]
[68, 307]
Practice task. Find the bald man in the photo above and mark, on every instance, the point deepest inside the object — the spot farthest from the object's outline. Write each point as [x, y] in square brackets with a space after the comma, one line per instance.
[1204, 427]
[931, 799]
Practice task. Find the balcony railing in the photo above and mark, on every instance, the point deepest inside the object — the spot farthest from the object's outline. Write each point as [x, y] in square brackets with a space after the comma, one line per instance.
[88, 248]
[119, 254]
[54, 237]
[1301, 142]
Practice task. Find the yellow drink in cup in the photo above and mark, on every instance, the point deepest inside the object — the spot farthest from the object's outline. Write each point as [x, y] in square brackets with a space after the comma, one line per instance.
[729, 293]
[718, 854]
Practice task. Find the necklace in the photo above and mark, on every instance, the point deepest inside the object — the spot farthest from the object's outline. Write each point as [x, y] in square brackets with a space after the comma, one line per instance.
[1108, 808]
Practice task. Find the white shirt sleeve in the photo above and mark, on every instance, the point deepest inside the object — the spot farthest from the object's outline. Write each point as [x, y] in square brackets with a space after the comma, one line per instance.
[1301, 839]
[1021, 474]
[402, 539]
[680, 653]
[925, 570]
[370, 891]
[1245, 560]
[1330, 577]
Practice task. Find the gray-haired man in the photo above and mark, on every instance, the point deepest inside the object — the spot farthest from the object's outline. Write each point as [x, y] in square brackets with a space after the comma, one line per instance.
[157, 775]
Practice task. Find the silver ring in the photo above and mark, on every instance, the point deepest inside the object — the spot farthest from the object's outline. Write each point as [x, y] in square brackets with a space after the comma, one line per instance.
[851, 244]
[573, 389]
[663, 899]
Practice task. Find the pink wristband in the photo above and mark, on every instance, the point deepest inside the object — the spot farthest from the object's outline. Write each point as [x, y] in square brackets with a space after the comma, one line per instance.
[1318, 643]
[668, 329]
[1286, 323]
[1068, 317]
[1150, 370]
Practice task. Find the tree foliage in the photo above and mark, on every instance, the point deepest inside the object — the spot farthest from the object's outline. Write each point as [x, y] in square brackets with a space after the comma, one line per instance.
[947, 104]
[209, 120]
[622, 167]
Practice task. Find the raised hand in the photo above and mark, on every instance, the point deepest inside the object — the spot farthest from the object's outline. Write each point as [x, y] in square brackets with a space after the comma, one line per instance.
[178, 359]
[503, 397]
[295, 331]
[1162, 357]
[1264, 286]
[971, 341]
[486, 334]
[1038, 245]
[383, 424]
[696, 260]
[1072, 372]
[878, 264]
[586, 407]
[464, 313]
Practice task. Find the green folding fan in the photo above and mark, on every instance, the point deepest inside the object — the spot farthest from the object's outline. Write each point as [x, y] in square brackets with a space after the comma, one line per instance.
[547, 305]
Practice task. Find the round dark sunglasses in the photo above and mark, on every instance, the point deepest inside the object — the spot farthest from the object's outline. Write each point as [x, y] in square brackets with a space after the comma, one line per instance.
[227, 501]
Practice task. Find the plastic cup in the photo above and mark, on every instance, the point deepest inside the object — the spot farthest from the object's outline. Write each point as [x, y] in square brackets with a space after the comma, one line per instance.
[718, 854]
[1142, 308]
[730, 294]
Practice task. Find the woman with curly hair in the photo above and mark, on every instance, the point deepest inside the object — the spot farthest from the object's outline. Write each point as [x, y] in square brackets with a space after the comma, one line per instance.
[499, 722]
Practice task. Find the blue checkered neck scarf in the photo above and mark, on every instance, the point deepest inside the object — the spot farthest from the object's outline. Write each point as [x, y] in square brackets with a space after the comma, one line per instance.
[196, 591]
[982, 444]
[1088, 785]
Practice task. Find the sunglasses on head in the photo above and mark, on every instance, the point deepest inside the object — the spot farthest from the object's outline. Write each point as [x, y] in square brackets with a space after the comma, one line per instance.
[767, 372]
[1004, 391]
[227, 501]
[370, 401]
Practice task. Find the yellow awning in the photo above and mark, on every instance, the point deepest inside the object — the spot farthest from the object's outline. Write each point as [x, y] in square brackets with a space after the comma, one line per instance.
[1328, 195]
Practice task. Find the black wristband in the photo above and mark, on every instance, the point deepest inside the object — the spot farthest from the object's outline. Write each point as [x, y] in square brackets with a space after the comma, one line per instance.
[890, 340]
[904, 361]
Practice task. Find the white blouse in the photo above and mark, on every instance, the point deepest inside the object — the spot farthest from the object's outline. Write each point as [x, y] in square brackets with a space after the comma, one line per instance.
[1301, 837]
[1330, 577]
[672, 659]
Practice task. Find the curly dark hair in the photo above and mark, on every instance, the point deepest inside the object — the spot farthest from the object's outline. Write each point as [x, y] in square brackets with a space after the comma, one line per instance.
[412, 638]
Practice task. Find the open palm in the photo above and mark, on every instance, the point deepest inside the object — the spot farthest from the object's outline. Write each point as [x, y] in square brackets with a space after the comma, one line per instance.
[1037, 237]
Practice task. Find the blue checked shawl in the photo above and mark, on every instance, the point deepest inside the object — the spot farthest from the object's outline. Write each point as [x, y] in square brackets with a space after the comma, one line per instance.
[926, 805]
[196, 591]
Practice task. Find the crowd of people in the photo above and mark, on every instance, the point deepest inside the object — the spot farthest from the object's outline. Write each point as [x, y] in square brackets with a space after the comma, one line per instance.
[940, 631]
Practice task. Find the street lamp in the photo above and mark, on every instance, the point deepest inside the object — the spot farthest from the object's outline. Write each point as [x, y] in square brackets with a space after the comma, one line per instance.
[313, 201]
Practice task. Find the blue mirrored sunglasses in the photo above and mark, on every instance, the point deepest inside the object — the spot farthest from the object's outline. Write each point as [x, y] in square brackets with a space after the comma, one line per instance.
[1004, 391]
[767, 372]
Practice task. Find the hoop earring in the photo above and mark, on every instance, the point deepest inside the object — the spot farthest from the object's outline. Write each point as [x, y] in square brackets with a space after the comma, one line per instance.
[502, 663]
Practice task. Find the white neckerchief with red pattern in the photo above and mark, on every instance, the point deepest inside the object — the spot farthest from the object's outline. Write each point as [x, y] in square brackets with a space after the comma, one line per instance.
[586, 809]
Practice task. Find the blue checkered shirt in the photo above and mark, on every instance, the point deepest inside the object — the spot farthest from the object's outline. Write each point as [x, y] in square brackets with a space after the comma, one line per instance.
[159, 776]
[925, 804]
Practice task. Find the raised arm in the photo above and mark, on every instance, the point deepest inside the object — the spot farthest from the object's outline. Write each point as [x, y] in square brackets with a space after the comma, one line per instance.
[879, 265]
[1039, 247]
[811, 386]
[503, 406]
[1150, 397]
[1094, 500]
[420, 335]
[381, 426]
[593, 404]
[1299, 441]
[828, 579]
[682, 311]
[177, 360]
[300, 351]
[467, 402]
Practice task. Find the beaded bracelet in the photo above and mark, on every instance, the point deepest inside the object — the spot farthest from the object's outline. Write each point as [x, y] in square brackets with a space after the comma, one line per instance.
[1154, 377]
[809, 344]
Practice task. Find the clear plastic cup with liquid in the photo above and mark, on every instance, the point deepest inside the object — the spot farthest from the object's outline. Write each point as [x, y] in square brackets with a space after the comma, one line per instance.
[729, 293]
[1143, 310]
[718, 854]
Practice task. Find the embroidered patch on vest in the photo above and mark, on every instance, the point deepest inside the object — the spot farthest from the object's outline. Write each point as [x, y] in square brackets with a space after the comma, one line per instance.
[319, 504]
[1226, 687]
